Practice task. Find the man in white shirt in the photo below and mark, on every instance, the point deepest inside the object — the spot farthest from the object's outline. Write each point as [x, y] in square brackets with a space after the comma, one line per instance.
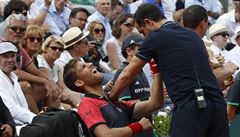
[10, 89]
[76, 46]
[231, 19]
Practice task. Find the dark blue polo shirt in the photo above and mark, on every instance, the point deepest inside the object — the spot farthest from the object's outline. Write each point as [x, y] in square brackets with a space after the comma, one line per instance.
[182, 59]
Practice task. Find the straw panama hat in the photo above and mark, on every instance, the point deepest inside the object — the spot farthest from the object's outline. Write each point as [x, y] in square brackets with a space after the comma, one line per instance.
[73, 35]
[215, 29]
[236, 33]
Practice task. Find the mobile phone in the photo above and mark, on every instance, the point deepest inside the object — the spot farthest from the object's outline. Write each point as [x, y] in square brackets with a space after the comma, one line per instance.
[200, 98]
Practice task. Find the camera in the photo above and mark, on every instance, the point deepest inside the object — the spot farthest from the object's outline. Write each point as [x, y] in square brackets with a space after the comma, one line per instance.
[101, 53]
[200, 98]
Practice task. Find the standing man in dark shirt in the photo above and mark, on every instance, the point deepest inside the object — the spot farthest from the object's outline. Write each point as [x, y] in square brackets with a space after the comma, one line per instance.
[139, 88]
[7, 124]
[183, 63]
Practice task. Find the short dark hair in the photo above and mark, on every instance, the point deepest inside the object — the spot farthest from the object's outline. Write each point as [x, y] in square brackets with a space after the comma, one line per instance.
[76, 10]
[115, 3]
[193, 15]
[148, 11]
[69, 75]
[16, 6]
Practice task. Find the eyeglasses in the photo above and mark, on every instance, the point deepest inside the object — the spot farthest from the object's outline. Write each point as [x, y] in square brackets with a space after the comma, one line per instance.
[223, 34]
[32, 39]
[15, 29]
[57, 48]
[97, 30]
[81, 19]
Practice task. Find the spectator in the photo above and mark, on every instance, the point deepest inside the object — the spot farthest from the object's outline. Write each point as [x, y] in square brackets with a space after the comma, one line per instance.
[58, 17]
[76, 46]
[38, 13]
[33, 40]
[41, 86]
[103, 7]
[195, 17]
[14, 6]
[103, 117]
[213, 7]
[7, 124]
[122, 27]
[117, 9]
[233, 99]
[235, 52]
[178, 17]
[96, 54]
[78, 18]
[219, 35]
[139, 88]
[15, 99]
[179, 4]
[231, 19]
[181, 68]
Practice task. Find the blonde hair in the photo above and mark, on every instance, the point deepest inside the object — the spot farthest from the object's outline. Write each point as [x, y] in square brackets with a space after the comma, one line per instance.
[178, 16]
[52, 38]
[34, 30]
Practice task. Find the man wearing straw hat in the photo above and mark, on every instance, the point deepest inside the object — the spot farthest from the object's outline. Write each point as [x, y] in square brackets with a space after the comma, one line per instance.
[76, 46]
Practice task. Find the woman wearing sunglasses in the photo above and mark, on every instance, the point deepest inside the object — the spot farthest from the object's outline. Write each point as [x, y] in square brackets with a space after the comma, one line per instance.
[96, 39]
[33, 39]
[50, 51]
[123, 25]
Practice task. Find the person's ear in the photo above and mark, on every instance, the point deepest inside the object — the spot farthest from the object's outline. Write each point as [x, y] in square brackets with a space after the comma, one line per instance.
[147, 21]
[79, 83]
[128, 51]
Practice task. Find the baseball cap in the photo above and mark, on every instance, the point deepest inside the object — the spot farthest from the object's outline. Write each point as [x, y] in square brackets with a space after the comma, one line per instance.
[7, 47]
[131, 39]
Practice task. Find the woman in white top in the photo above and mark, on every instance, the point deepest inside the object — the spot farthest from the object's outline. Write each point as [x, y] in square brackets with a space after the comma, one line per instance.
[121, 28]
[51, 50]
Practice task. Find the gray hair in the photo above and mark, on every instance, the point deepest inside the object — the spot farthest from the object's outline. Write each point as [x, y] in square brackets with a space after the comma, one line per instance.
[97, 1]
[8, 20]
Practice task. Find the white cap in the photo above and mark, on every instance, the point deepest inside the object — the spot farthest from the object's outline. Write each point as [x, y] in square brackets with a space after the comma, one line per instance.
[7, 47]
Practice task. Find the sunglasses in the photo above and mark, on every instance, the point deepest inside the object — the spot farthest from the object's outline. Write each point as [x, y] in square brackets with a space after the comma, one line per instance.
[223, 34]
[32, 39]
[97, 30]
[129, 25]
[15, 29]
[81, 19]
[57, 48]
[106, 3]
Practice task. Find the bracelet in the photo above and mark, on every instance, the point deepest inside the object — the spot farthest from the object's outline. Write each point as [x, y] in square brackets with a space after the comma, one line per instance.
[135, 127]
